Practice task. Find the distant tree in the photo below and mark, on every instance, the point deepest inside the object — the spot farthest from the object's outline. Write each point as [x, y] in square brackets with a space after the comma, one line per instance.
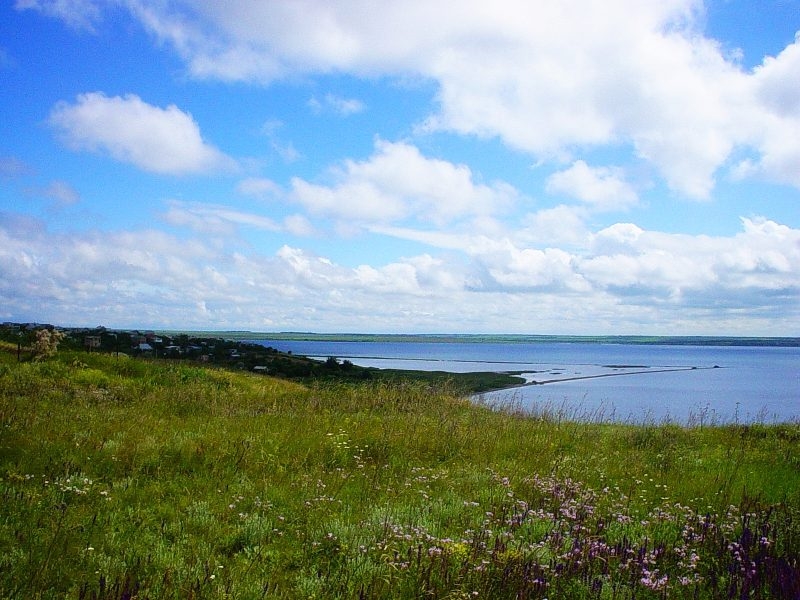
[124, 341]
[46, 343]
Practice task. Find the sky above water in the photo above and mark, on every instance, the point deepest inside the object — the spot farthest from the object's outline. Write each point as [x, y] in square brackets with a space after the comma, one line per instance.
[572, 167]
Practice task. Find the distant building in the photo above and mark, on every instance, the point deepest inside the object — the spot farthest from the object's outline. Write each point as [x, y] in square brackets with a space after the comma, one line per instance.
[91, 342]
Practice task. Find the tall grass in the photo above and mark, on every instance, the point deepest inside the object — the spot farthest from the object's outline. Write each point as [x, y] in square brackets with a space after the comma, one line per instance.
[128, 479]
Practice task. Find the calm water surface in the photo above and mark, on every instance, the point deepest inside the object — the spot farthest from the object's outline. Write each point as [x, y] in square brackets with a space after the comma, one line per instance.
[614, 382]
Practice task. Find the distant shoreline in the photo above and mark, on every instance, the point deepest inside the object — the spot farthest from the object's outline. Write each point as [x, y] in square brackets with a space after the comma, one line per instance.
[502, 338]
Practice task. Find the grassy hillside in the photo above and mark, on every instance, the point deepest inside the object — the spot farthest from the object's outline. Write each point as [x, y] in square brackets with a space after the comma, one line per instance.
[122, 478]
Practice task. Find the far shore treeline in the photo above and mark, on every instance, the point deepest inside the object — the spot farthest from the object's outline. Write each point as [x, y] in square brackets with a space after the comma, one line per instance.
[471, 338]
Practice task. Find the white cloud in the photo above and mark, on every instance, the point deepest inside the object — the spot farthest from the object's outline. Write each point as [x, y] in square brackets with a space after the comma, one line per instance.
[547, 78]
[629, 278]
[398, 183]
[298, 225]
[777, 132]
[604, 188]
[259, 187]
[436, 238]
[765, 256]
[627, 265]
[515, 268]
[340, 106]
[267, 190]
[159, 140]
[225, 221]
[776, 81]
[285, 150]
[61, 193]
[78, 14]
[560, 225]
[212, 218]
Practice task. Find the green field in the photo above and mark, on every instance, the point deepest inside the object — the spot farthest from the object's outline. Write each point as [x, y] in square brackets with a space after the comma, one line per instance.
[123, 478]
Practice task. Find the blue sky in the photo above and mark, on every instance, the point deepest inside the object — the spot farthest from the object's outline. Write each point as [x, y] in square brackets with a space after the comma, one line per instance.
[621, 167]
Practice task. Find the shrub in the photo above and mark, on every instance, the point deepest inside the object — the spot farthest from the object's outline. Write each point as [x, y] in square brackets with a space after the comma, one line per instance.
[46, 343]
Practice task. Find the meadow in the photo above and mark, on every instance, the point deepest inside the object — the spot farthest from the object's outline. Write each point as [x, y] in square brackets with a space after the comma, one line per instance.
[123, 478]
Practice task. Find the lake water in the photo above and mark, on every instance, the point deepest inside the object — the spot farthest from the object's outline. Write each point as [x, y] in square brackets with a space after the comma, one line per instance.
[637, 383]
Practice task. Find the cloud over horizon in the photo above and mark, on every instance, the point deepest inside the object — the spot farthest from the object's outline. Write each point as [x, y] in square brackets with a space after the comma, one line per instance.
[622, 271]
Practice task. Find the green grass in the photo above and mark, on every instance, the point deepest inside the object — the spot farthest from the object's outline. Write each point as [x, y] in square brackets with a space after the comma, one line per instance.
[123, 478]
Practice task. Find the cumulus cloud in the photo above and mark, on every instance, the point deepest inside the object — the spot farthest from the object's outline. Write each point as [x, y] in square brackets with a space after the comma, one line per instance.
[561, 225]
[322, 274]
[625, 264]
[627, 276]
[765, 255]
[514, 268]
[546, 78]
[776, 81]
[159, 140]
[777, 131]
[604, 188]
[396, 183]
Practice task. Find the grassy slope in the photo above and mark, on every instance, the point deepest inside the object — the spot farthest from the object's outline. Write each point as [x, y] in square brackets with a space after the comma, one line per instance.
[122, 477]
